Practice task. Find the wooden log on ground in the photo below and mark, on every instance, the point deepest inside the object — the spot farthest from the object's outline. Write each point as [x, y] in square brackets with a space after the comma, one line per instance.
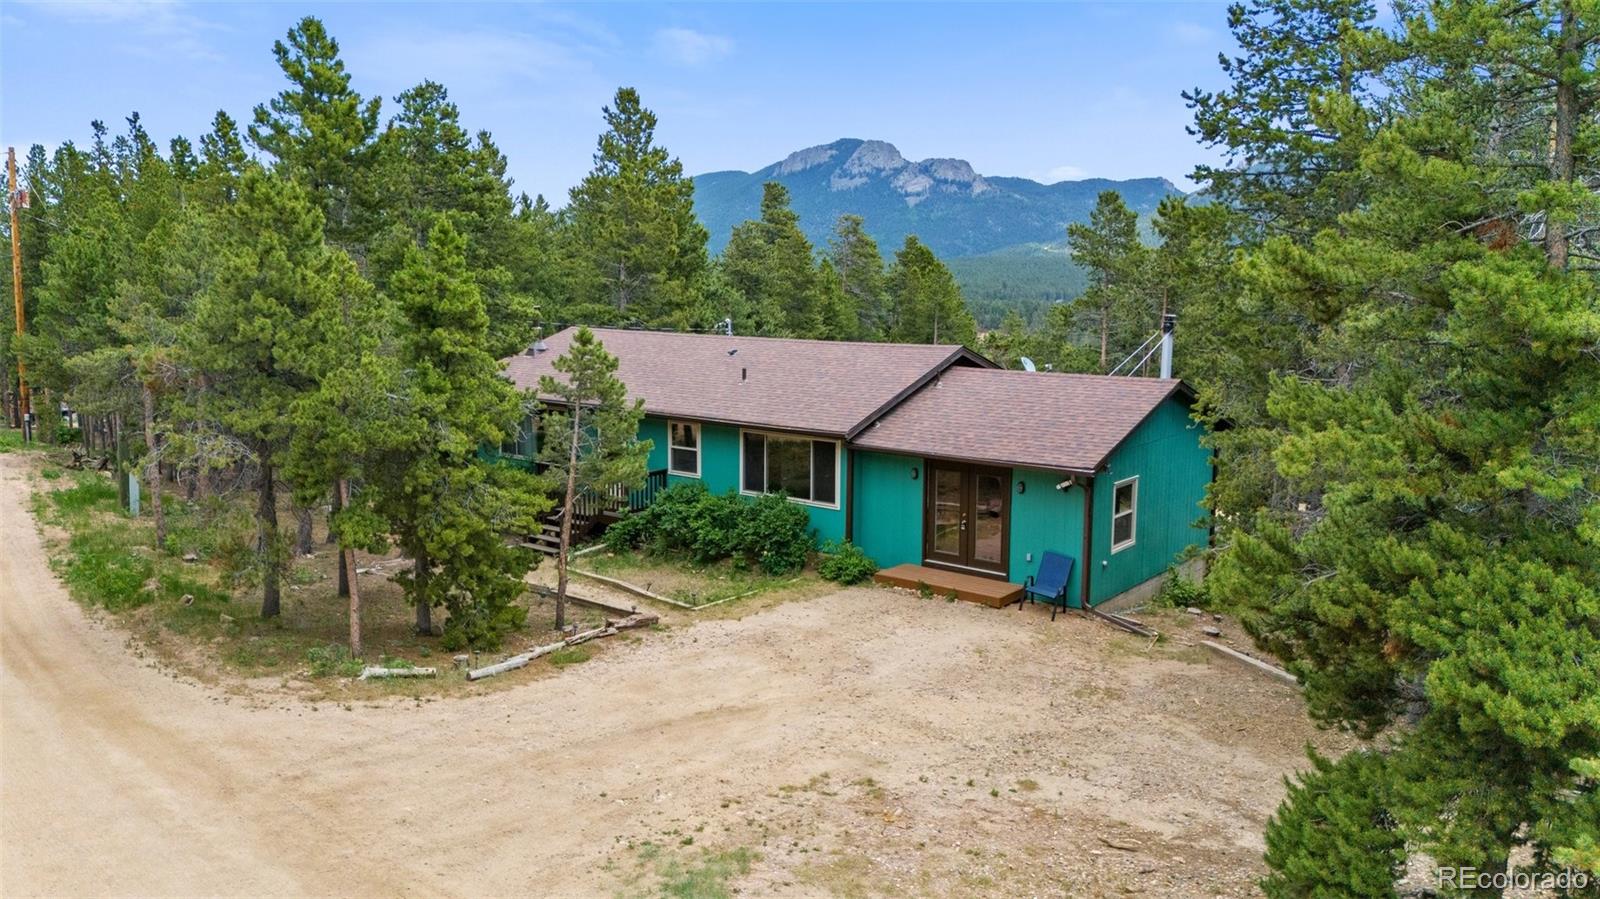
[602, 605]
[515, 662]
[637, 619]
[1253, 662]
[586, 636]
[374, 671]
[629, 588]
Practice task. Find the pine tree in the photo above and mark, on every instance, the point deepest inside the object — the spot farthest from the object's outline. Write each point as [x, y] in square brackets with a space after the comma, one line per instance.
[426, 164]
[925, 302]
[771, 263]
[319, 131]
[449, 510]
[859, 265]
[635, 250]
[1114, 307]
[590, 443]
[253, 333]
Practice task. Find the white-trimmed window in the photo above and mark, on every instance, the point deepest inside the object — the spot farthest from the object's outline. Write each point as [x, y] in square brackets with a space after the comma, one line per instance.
[1124, 513]
[806, 469]
[683, 448]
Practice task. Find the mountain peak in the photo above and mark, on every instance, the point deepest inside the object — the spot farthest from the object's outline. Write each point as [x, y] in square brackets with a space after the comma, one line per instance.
[954, 209]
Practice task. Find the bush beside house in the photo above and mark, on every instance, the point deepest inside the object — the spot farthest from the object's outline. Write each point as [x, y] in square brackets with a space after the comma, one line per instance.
[769, 532]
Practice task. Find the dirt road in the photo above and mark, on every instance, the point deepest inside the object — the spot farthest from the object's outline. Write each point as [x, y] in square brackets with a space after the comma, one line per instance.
[864, 742]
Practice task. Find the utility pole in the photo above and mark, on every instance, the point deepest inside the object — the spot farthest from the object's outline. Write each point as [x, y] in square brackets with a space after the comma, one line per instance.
[24, 406]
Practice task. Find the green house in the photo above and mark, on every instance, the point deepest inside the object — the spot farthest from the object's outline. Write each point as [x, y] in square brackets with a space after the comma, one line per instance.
[928, 457]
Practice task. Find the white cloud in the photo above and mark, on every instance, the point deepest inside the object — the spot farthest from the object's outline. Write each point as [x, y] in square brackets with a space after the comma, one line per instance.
[688, 47]
[162, 27]
[1064, 173]
[1192, 33]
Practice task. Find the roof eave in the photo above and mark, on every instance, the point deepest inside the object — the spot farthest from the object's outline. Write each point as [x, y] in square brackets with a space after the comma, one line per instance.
[960, 352]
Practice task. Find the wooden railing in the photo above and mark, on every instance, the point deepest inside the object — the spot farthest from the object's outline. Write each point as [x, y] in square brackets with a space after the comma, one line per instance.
[589, 506]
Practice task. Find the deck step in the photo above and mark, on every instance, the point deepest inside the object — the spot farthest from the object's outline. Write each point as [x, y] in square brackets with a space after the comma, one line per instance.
[992, 592]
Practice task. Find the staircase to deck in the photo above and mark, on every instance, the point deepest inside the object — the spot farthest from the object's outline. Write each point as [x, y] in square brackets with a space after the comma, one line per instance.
[591, 510]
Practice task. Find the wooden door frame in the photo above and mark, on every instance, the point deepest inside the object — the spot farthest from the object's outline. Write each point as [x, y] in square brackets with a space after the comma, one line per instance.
[969, 475]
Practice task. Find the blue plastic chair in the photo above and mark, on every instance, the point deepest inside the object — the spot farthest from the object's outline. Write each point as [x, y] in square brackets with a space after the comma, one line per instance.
[1050, 585]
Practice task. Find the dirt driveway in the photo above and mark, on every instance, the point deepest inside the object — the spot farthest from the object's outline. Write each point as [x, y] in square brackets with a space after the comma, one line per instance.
[864, 743]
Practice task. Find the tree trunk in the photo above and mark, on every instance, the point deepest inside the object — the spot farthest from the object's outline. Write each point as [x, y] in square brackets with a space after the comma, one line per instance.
[347, 577]
[152, 469]
[267, 542]
[338, 504]
[420, 575]
[1566, 125]
[302, 532]
[1105, 337]
[566, 522]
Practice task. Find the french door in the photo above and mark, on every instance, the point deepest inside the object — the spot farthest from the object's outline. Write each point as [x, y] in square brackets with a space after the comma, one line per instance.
[966, 517]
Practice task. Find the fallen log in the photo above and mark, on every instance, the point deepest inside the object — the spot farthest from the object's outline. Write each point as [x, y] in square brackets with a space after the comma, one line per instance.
[514, 662]
[629, 588]
[586, 636]
[374, 671]
[600, 604]
[637, 619]
[1253, 662]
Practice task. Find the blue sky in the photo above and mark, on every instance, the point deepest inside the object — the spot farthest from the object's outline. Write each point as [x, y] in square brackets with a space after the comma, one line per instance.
[1036, 90]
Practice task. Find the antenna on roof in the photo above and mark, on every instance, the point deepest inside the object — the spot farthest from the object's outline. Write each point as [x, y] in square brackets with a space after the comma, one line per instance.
[1027, 364]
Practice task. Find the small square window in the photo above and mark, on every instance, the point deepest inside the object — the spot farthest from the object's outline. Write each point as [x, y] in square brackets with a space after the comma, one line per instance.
[683, 448]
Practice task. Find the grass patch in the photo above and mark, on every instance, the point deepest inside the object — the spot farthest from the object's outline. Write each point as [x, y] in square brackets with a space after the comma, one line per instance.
[680, 578]
[571, 655]
[10, 439]
[707, 876]
[50, 473]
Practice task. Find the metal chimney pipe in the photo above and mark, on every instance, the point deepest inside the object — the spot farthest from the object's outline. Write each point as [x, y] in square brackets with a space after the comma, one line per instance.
[1168, 321]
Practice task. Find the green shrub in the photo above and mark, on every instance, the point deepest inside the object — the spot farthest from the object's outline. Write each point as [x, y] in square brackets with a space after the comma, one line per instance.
[66, 435]
[1333, 834]
[474, 626]
[687, 518]
[1180, 592]
[775, 534]
[845, 563]
[332, 661]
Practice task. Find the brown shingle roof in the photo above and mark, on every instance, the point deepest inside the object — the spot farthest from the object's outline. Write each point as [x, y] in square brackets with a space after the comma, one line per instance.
[1055, 421]
[824, 387]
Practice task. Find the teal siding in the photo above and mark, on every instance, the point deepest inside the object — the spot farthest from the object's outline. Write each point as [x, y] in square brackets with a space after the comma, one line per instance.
[719, 470]
[655, 431]
[888, 508]
[1173, 471]
[1044, 518]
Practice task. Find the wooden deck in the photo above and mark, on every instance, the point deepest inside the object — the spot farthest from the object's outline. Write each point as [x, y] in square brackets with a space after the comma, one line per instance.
[989, 591]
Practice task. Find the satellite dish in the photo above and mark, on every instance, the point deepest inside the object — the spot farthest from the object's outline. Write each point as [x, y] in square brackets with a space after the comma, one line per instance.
[1027, 364]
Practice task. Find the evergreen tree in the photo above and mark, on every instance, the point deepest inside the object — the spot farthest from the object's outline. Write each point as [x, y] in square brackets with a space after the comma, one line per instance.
[771, 263]
[590, 440]
[635, 250]
[449, 510]
[925, 302]
[1428, 554]
[425, 164]
[1114, 308]
[319, 131]
[253, 333]
[1295, 116]
[859, 265]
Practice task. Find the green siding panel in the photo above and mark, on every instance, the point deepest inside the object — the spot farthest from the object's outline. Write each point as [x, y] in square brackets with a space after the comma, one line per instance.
[888, 508]
[655, 431]
[1173, 470]
[1044, 518]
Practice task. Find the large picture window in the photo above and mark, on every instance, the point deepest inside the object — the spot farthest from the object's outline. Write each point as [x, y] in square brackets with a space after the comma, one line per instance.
[1124, 513]
[803, 468]
[683, 450]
